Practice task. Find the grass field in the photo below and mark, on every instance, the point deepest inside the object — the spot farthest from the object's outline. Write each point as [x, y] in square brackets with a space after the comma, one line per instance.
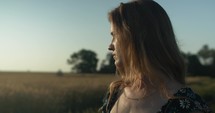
[49, 93]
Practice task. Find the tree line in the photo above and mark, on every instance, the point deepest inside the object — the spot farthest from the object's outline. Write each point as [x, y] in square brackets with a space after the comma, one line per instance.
[202, 63]
[86, 61]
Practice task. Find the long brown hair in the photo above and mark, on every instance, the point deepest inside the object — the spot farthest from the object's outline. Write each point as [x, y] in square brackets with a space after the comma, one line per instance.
[147, 42]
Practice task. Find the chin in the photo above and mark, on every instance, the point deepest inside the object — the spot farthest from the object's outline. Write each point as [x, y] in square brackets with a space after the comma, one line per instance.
[118, 64]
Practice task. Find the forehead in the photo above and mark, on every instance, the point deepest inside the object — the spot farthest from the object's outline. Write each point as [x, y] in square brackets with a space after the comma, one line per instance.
[112, 28]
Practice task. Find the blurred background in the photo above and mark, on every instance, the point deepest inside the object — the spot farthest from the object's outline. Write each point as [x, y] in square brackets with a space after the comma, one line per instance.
[52, 48]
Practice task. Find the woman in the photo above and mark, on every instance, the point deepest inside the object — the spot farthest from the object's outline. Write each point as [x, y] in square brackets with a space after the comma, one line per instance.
[149, 63]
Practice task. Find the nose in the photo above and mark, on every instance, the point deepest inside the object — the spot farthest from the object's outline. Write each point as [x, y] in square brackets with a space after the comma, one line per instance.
[111, 47]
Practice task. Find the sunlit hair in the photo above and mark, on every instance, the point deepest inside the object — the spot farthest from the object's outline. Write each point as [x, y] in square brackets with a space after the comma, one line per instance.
[147, 43]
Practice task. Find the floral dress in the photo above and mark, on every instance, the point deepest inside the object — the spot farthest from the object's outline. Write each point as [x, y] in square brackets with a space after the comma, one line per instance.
[185, 101]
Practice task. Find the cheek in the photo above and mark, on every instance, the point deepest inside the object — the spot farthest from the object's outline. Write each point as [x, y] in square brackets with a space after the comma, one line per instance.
[118, 57]
[118, 60]
[118, 64]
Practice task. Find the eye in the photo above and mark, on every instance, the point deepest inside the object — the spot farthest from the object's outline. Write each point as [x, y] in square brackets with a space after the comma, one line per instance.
[112, 35]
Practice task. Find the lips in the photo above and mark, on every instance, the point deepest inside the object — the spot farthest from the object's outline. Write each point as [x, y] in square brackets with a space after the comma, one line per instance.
[114, 56]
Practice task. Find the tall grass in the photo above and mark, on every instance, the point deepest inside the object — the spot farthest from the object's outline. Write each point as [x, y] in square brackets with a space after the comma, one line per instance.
[48, 93]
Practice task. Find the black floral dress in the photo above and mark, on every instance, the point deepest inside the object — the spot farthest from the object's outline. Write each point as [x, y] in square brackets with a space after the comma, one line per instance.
[185, 101]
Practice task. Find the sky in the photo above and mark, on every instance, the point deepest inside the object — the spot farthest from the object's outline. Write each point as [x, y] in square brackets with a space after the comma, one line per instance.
[40, 35]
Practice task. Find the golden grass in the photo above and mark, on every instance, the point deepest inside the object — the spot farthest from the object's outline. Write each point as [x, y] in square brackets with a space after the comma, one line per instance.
[46, 92]
[47, 83]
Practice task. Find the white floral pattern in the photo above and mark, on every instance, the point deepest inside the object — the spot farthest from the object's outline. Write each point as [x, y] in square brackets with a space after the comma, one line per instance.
[184, 103]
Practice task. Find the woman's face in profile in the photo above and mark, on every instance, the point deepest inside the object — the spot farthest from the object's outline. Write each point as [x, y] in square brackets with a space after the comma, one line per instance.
[114, 47]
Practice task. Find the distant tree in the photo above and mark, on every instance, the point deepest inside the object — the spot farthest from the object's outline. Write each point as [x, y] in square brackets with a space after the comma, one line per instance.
[107, 65]
[194, 65]
[59, 73]
[84, 61]
[206, 54]
[213, 56]
[212, 66]
[202, 63]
